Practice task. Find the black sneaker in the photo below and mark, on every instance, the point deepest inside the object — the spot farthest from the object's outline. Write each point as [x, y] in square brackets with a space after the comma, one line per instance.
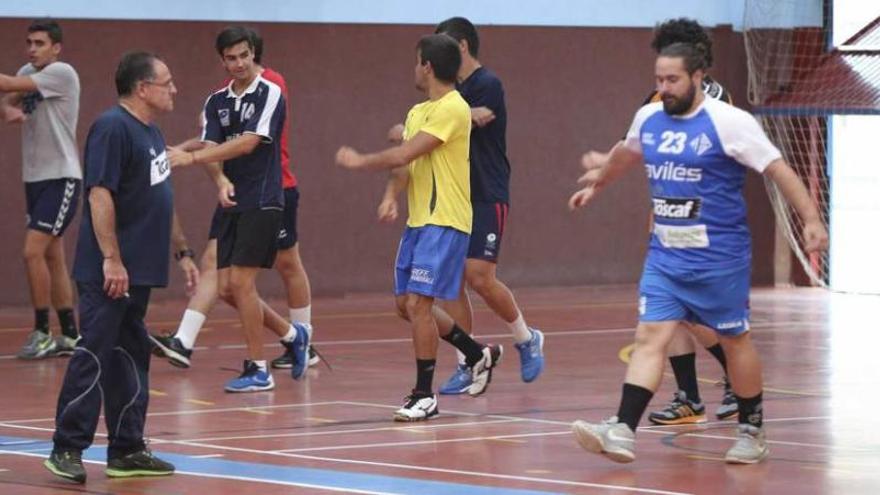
[679, 411]
[729, 407]
[170, 347]
[142, 463]
[285, 361]
[66, 464]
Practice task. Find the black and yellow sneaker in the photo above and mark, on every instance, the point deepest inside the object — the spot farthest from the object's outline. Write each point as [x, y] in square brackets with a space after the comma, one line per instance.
[680, 411]
[729, 407]
[66, 464]
[141, 463]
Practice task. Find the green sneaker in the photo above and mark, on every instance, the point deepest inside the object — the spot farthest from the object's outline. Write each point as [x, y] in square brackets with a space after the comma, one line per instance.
[39, 345]
[66, 464]
[64, 345]
[142, 463]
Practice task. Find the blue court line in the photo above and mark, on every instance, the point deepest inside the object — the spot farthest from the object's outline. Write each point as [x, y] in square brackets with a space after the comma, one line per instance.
[284, 475]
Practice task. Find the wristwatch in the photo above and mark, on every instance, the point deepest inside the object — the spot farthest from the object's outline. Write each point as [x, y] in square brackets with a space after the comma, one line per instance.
[184, 253]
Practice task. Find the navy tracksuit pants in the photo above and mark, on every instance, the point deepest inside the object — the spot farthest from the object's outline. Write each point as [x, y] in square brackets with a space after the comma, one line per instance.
[110, 364]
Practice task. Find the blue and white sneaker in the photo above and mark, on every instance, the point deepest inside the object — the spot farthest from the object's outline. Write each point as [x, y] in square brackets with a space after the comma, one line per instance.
[459, 382]
[252, 379]
[531, 356]
[299, 350]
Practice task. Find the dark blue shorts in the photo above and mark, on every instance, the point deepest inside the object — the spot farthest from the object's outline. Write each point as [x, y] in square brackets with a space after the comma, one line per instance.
[52, 204]
[487, 230]
[718, 299]
[430, 262]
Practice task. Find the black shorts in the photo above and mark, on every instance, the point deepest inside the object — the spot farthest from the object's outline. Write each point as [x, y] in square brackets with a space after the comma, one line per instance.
[215, 223]
[287, 236]
[487, 230]
[248, 238]
[51, 204]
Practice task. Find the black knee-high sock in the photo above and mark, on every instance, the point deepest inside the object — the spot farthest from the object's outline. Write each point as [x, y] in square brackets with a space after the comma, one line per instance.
[717, 351]
[633, 403]
[685, 369]
[68, 322]
[472, 350]
[41, 319]
[751, 410]
[424, 375]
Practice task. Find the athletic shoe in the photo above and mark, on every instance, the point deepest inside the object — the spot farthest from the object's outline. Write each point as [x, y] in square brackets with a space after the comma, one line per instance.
[459, 382]
[750, 447]
[680, 411]
[299, 350]
[481, 371]
[610, 438]
[417, 406]
[66, 464]
[252, 379]
[171, 348]
[64, 345]
[729, 407]
[39, 345]
[142, 463]
[285, 361]
[531, 356]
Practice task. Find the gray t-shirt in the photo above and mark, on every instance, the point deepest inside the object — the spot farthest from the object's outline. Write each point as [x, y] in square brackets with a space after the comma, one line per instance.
[48, 137]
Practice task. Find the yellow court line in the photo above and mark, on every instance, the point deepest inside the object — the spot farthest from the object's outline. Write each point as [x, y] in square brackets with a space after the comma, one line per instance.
[625, 353]
[705, 458]
[506, 440]
[321, 420]
[259, 411]
[538, 471]
[200, 402]
[157, 393]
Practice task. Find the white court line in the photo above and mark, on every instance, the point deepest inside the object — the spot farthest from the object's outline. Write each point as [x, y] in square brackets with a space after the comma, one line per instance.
[425, 442]
[353, 430]
[189, 412]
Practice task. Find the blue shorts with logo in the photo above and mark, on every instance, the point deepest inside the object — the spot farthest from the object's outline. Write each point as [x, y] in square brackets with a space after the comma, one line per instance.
[716, 298]
[487, 230]
[430, 262]
[51, 204]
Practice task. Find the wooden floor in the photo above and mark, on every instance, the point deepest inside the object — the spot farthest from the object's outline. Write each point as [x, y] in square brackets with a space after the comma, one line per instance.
[333, 431]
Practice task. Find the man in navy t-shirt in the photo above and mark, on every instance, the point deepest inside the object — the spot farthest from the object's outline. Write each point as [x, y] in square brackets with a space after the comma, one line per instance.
[243, 127]
[695, 151]
[121, 254]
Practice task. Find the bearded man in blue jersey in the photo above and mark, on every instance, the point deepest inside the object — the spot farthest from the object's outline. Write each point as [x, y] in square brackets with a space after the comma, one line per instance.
[696, 151]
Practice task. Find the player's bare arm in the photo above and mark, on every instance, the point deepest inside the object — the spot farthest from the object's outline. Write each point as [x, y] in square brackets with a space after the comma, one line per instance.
[398, 156]
[794, 192]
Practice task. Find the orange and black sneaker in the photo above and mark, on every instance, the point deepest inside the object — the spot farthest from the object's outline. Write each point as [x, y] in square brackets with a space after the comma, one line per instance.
[680, 411]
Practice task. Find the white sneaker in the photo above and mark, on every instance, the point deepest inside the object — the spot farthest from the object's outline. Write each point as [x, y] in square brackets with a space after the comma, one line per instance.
[750, 446]
[417, 407]
[481, 371]
[610, 438]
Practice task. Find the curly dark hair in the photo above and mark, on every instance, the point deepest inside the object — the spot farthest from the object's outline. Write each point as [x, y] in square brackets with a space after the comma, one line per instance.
[682, 30]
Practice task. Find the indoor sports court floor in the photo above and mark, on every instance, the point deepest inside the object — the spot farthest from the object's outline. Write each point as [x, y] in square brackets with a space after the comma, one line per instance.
[333, 432]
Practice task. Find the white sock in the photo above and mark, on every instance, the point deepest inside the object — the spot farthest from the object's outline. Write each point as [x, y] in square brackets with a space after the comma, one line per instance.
[261, 364]
[462, 359]
[190, 326]
[519, 330]
[290, 335]
[301, 315]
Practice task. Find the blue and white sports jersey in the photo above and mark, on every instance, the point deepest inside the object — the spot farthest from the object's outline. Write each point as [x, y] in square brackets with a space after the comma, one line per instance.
[696, 166]
[260, 110]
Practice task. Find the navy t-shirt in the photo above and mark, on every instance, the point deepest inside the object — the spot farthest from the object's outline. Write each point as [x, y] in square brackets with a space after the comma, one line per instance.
[260, 110]
[490, 170]
[128, 157]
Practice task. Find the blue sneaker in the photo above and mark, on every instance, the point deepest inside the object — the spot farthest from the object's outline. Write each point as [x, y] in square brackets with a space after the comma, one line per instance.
[299, 350]
[531, 356]
[252, 379]
[459, 382]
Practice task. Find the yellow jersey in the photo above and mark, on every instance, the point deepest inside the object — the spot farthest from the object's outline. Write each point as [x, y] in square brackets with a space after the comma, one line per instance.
[439, 190]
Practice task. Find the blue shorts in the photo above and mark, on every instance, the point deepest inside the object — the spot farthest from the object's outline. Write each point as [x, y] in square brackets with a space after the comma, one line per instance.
[718, 299]
[51, 204]
[430, 262]
[488, 227]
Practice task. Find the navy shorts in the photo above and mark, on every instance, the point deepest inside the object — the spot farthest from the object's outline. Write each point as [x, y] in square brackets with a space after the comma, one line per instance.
[487, 230]
[718, 299]
[248, 238]
[51, 204]
[287, 236]
[430, 262]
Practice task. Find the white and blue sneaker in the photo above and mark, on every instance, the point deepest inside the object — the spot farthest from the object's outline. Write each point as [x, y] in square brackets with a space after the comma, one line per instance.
[531, 356]
[252, 379]
[299, 349]
[459, 382]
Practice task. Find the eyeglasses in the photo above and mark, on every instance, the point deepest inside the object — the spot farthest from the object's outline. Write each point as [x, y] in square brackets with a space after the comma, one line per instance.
[167, 84]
